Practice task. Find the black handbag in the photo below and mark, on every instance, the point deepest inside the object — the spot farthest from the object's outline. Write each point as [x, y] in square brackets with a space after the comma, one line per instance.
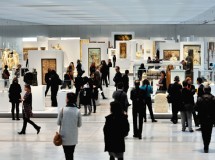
[169, 99]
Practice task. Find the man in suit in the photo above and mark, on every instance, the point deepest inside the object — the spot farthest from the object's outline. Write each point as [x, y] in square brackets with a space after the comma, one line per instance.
[206, 111]
[118, 76]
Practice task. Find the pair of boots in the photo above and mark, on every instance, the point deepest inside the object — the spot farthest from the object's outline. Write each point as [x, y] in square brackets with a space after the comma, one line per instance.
[17, 116]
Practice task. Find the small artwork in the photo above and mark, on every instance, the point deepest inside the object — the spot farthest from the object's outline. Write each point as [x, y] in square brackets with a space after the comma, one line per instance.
[113, 52]
[196, 53]
[123, 51]
[94, 55]
[171, 55]
[148, 51]
[26, 50]
[46, 64]
[124, 37]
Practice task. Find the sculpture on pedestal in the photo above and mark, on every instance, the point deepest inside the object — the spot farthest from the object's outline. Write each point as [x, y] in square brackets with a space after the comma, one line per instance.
[189, 64]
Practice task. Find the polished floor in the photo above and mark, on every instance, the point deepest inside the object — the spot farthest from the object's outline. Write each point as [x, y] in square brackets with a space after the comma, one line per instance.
[161, 140]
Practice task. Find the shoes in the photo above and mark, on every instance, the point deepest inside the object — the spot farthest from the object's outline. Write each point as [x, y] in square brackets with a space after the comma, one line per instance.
[135, 136]
[191, 131]
[140, 137]
[13, 119]
[21, 132]
[206, 149]
[199, 129]
[38, 130]
[183, 130]
[94, 112]
[154, 121]
[104, 98]
[145, 120]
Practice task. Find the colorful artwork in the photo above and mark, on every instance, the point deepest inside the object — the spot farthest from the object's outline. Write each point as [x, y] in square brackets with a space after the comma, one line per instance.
[124, 37]
[94, 55]
[46, 64]
[123, 50]
[25, 52]
[171, 55]
[196, 53]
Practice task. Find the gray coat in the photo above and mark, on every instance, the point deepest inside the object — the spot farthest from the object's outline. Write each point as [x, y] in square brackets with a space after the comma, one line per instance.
[70, 120]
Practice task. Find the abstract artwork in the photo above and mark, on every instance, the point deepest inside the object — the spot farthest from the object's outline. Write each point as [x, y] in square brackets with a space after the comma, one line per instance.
[171, 55]
[124, 37]
[123, 51]
[26, 50]
[45, 65]
[196, 53]
[94, 55]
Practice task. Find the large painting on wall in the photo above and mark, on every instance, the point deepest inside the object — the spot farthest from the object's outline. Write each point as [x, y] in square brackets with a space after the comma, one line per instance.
[26, 50]
[46, 64]
[196, 53]
[94, 55]
[123, 51]
[124, 37]
[171, 55]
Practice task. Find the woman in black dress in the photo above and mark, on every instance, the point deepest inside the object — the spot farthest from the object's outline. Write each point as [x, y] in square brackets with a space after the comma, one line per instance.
[15, 96]
[27, 111]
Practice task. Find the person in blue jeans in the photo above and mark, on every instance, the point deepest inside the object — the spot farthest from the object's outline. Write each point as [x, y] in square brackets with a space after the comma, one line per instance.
[148, 89]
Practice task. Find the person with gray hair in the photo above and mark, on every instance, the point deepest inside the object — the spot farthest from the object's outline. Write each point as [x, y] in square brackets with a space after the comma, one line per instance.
[206, 111]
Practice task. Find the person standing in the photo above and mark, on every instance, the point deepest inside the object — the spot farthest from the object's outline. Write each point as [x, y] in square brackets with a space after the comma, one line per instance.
[94, 86]
[206, 111]
[115, 130]
[114, 60]
[176, 96]
[55, 82]
[18, 71]
[92, 68]
[68, 79]
[141, 70]
[78, 83]
[120, 96]
[79, 67]
[187, 107]
[27, 111]
[138, 110]
[109, 66]
[125, 80]
[5, 76]
[15, 96]
[162, 82]
[70, 120]
[48, 80]
[118, 76]
[104, 72]
[148, 89]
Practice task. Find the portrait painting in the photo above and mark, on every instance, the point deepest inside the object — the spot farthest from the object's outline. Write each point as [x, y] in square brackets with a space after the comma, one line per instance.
[26, 50]
[196, 53]
[171, 55]
[124, 37]
[94, 55]
[123, 50]
[46, 64]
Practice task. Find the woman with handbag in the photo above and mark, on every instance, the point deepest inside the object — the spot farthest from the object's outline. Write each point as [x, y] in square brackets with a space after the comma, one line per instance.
[69, 120]
[14, 97]
[27, 111]
[187, 107]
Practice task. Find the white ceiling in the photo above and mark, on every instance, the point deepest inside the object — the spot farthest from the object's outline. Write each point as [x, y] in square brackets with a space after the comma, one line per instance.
[101, 12]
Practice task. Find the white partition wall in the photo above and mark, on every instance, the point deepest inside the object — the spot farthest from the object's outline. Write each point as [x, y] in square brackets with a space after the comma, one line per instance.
[104, 55]
[35, 58]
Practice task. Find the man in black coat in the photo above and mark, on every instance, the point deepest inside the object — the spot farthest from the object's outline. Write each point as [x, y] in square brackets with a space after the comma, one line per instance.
[206, 110]
[109, 66]
[48, 80]
[114, 60]
[118, 76]
[125, 80]
[78, 83]
[138, 111]
[55, 82]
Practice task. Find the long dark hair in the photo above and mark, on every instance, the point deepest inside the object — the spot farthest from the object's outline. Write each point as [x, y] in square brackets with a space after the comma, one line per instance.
[72, 99]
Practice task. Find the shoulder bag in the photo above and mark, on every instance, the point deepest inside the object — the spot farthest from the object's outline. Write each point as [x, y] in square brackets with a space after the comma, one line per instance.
[57, 138]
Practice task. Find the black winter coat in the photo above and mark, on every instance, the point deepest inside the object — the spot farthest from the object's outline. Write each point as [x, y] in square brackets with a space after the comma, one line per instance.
[15, 93]
[115, 130]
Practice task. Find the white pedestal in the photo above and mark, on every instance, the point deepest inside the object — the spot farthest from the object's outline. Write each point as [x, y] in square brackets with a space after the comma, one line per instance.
[38, 98]
[112, 74]
[161, 105]
[4, 100]
[61, 98]
[180, 73]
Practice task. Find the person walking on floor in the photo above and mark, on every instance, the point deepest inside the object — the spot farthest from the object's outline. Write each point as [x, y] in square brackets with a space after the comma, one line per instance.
[125, 80]
[174, 91]
[5, 76]
[206, 112]
[115, 130]
[104, 72]
[14, 97]
[27, 111]
[138, 110]
[48, 80]
[120, 96]
[70, 120]
[94, 86]
[187, 107]
[55, 82]
[148, 89]
[109, 66]
[118, 76]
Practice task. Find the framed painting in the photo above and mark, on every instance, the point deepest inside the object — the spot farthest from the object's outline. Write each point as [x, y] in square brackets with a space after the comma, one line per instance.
[171, 55]
[45, 65]
[122, 37]
[26, 50]
[123, 50]
[196, 53]
[94, 55]
[113, 52]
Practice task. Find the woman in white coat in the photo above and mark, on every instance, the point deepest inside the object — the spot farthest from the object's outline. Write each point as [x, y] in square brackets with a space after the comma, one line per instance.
[69, 119]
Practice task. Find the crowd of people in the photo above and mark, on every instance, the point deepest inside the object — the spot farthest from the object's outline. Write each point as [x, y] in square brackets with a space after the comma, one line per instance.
[117, 127]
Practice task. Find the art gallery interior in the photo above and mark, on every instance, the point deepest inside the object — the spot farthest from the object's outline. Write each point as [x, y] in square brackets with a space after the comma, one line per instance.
[51, 34]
